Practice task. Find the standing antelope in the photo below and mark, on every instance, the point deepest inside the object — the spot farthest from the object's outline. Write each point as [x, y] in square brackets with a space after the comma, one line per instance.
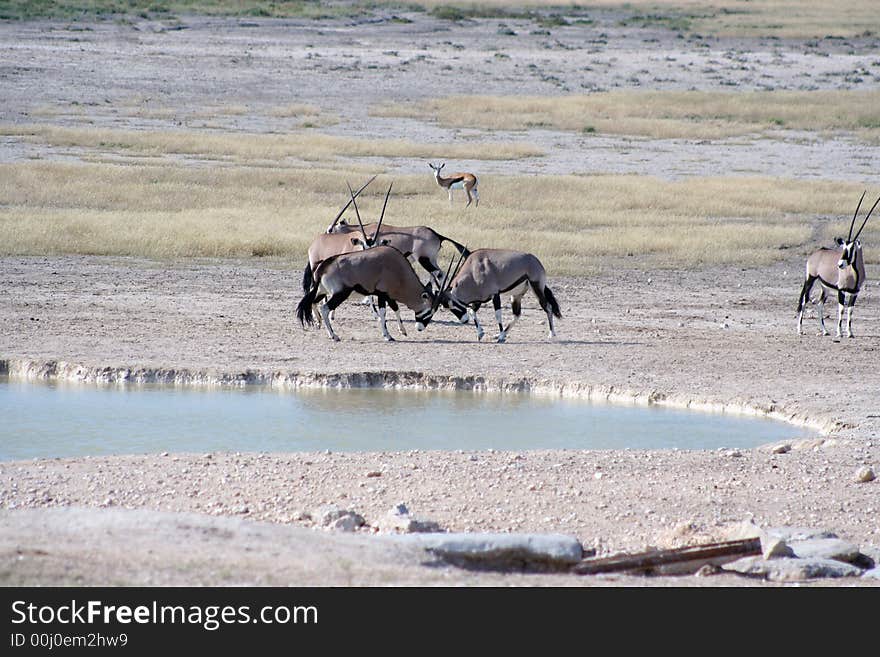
[841, 270]
[466, 181]
[382, 271]
[489, 273]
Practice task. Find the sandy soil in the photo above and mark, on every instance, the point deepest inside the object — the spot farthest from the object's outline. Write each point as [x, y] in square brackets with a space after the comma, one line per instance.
[722, 337]
[667, 336]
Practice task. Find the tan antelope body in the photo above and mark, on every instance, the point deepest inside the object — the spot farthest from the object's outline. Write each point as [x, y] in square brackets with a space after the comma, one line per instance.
[487, 274]
[382, 271]
[465, 181]
[839, 270]
[420, 242]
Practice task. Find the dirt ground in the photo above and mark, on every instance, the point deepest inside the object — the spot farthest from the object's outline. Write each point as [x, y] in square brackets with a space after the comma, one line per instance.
[723, 337]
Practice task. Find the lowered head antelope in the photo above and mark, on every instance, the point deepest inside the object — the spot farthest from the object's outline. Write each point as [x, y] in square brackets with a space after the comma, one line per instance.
[420, 242]
[840, 270]
[466, 181]
[382, 271]
[489, 273]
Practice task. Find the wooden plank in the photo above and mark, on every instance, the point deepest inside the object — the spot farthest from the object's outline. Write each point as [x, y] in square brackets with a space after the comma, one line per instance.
[699, 554]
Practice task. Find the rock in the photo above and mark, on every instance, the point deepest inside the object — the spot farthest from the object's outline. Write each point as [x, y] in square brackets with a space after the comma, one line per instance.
[874, 573]
[825, 548]
[791, 570]
[782, 449]
[789, 534]
[865, 474]
[774, 548]
[346, 523]
[501, 551]
[333, 517]
[399, 519]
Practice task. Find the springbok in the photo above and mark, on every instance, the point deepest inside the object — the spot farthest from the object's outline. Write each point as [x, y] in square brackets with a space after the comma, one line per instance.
[382, 271]
[840, 270]
[489, 273]
[466, 181]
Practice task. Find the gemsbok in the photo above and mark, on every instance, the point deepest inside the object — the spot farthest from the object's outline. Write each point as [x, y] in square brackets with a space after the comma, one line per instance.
[465, 181]
[420, 242]
[840, 270]
[487, 274]
[382, 271]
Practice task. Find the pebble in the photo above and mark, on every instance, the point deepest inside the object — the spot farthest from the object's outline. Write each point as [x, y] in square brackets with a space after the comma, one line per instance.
[865, 474]
[782, 449]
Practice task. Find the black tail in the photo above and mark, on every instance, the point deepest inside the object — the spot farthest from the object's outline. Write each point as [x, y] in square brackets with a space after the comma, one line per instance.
[304, 307]
[805, 294]
[546, 298]
[307, 278]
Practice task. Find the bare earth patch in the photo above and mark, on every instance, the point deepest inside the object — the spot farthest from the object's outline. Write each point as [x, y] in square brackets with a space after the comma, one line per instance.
[709, 336]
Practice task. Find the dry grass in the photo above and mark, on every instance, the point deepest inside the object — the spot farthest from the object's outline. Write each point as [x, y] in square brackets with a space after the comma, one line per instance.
[659, 114]
[576, 225]
[252, 146]
[781, 18]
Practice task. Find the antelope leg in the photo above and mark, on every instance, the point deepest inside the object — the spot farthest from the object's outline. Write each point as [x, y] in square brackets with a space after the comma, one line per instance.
[385, 334]
[473, 313]
[393, 305]
[496, 303]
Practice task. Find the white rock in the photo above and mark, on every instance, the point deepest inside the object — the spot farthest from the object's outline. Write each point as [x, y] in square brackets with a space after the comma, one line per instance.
[865, 474]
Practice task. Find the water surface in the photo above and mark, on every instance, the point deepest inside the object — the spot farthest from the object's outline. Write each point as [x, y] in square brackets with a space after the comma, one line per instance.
[72, 419]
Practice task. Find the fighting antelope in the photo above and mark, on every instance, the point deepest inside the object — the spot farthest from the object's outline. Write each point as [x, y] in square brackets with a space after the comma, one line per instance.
[466, 181]
[840, 270]
[331, 243]
[489, 273]
[382, 271]
[420, 242]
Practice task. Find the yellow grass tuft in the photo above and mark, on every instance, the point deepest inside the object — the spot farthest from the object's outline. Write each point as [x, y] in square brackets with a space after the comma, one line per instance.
[658, 114]
[575, 224]
[252, 146]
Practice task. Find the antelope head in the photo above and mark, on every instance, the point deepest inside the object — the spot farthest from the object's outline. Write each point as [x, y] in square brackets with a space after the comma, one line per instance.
[442, 295]
[437, 168]
[851, 245]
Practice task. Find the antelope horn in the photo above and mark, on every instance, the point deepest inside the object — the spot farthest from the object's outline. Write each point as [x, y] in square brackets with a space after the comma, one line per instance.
[342, 211]
[853, 222]
[358, 214]
[379, 225]
[866, 219]
[447, 281]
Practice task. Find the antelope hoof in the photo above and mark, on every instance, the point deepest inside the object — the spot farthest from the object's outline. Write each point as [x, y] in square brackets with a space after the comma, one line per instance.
[335, 338]
[388, 338]
[502, 338]
[823, 333]
[403, 332]
[480, 336]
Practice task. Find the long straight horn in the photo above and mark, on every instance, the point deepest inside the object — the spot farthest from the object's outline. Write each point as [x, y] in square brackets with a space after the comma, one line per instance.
[447, 282]
[358, 214]
[443, 285]
[382, 216]
[342, 211]
[866, 219]
[853, 222]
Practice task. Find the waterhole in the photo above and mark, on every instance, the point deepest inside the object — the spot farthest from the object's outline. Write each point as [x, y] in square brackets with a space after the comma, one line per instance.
[73, 419]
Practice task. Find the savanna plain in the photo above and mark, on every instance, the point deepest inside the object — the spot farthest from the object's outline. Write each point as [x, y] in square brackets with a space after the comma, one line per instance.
[164, 170]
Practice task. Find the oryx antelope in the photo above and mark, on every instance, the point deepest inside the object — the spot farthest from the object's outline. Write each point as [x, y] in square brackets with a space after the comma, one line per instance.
[465, 181]
[487, 274]
[840, 270]
[420, 242]
[334, 243]
[382, 271]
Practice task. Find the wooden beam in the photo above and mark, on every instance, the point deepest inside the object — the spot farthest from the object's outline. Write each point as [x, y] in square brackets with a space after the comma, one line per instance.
[699, 554]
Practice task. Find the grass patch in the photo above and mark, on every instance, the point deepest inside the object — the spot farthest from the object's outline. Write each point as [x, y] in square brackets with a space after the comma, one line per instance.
[253, 146]
[575, 224]
[658, 114]
[780, 18]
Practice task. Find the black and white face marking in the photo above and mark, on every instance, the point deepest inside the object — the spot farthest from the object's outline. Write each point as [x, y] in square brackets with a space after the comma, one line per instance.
[849, 251]
[423, 318]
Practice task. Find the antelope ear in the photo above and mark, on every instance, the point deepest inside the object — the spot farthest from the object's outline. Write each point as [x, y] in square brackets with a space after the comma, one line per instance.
[859, 244]
[839, 241]
[384, 242]
[426, 296]
[355, 240]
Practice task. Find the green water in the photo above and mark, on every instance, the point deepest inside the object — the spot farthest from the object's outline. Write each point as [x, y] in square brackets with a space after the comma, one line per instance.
[55, 420]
